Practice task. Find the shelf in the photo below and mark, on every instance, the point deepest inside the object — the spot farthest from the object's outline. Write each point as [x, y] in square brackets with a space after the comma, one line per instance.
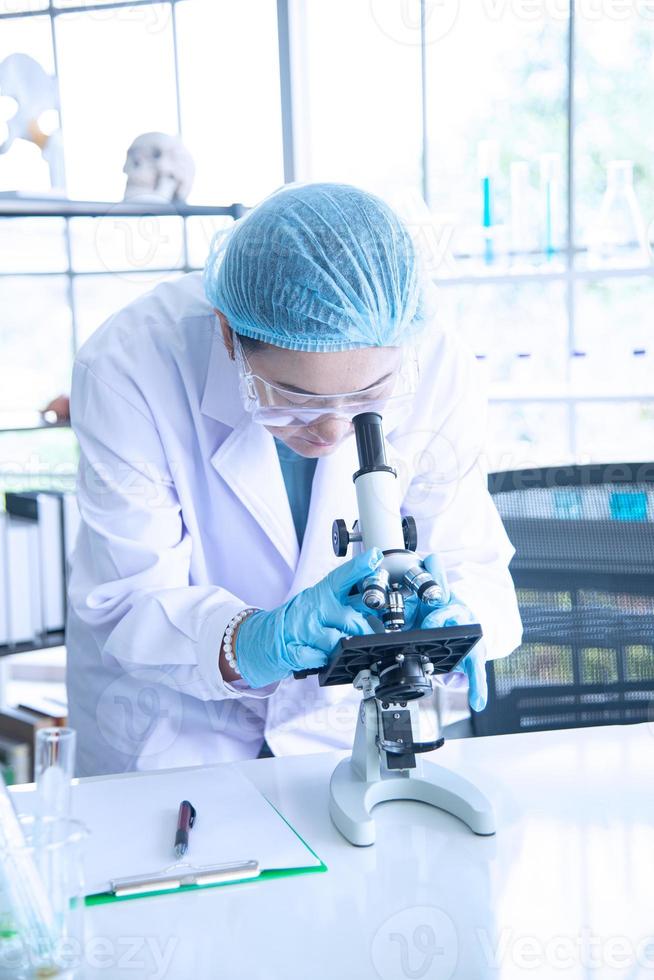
[473, 272]
[545, 275]
[52, 207]
[43, 642]
[32, 426]
[535, 266]
[480, 275]
[118, 271]
[566, 399]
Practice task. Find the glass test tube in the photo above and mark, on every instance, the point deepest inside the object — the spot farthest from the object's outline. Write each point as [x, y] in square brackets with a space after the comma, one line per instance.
[54, 767]
[487, 166]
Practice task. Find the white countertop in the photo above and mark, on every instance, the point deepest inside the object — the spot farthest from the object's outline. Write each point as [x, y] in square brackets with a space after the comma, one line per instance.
[564, 890]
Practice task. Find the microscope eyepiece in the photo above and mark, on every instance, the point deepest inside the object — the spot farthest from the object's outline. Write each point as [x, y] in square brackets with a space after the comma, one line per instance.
[371, 448]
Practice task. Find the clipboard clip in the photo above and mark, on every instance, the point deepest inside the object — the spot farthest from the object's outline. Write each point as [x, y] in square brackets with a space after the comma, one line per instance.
[180, 875]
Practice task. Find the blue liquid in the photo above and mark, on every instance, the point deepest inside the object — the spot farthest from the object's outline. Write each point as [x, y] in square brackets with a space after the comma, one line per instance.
[628, 506]
[567, 504]
[487, 220]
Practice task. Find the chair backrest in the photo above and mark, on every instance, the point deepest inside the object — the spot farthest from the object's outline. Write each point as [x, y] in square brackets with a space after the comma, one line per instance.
[584, 576]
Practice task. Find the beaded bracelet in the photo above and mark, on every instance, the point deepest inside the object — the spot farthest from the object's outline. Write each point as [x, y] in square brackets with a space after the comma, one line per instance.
[228, 638]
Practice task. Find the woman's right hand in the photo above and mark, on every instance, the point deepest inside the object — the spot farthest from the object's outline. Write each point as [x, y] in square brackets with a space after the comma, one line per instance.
[303, 632]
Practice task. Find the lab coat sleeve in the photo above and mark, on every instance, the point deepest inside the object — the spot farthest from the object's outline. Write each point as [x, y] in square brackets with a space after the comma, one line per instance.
[130, 575]
[455, 514]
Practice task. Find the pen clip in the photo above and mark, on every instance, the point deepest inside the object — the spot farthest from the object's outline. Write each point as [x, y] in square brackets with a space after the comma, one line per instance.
[192, 815]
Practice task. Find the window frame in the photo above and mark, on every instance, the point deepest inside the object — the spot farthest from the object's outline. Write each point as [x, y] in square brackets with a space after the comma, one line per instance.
[290, 50]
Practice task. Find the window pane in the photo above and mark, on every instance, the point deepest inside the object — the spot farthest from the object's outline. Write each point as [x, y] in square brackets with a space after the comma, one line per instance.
[116, 80]
[499, 74]
[229, 88]
[83, 3]
[32, 245]
[614, 333]
[28, 35]
[199, 233]
[360, 110]
[521, 436]
[127, 246]
[610, 432]
[17, 6]
[97, 297]
[614, 105]
[36, 342]
[38, 460]
[22, 167]
[517, 330]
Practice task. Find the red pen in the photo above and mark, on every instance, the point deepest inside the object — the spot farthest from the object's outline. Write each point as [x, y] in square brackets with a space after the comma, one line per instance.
[185, 820]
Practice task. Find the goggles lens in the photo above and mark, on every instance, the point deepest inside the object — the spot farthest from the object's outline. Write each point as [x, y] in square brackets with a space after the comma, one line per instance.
[275, 405]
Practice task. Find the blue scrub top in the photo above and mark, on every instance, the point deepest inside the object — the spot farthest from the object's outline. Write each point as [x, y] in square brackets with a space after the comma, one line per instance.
[298, 476]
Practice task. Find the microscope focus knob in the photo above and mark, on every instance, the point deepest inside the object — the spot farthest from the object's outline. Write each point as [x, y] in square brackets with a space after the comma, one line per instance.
[340, 538]
[410, 532]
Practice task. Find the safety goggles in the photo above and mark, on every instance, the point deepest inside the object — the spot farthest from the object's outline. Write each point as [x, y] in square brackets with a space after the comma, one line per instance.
[276, 405]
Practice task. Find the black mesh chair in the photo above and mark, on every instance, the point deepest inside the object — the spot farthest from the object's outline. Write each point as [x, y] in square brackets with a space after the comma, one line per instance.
[584, 576]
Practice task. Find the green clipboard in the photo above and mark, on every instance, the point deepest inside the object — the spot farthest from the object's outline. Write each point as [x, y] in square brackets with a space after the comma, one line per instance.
[178, 878]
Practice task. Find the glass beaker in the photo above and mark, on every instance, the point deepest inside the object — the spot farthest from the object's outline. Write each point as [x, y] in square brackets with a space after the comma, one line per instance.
[523, 237]
[29, 947]
[619, 236]
[551, 205]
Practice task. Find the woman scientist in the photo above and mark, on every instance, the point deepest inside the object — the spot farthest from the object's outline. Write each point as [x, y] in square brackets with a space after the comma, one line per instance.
[214, 422]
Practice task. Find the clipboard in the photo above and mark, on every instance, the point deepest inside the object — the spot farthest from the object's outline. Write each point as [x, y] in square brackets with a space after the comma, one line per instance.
[238, 836]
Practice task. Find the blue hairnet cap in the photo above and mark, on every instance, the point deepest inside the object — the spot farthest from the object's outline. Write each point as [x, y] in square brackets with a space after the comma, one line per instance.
[317, 267]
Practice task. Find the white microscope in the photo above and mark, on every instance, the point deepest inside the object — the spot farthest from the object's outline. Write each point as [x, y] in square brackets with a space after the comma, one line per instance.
[394, 667]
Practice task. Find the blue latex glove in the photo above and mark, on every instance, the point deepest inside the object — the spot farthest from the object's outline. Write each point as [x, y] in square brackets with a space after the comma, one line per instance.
[303, 632]
[456, 613]
[452, 612]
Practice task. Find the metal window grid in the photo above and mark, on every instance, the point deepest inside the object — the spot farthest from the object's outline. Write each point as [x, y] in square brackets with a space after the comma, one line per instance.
[570, 275]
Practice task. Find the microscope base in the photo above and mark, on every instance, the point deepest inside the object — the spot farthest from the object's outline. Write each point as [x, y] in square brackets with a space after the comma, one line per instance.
[352, 799]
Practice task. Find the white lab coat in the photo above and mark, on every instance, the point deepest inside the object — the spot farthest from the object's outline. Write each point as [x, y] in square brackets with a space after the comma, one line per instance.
[185, 520]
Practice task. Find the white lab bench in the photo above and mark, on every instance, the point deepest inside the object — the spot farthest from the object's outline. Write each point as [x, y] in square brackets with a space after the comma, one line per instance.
[564, 890]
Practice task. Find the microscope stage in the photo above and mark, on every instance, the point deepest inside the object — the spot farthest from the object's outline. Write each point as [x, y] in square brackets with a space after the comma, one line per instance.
[444, 648]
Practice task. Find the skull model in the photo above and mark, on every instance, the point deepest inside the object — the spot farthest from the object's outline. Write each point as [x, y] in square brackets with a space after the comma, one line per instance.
[158, 166]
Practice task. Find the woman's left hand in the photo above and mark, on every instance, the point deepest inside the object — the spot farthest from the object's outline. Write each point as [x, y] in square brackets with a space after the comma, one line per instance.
[473, 665]
[452, 612]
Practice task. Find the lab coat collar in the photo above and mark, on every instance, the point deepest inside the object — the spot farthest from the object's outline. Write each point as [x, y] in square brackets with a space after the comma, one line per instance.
[221, 399]
[247, 459]
[248, 462]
